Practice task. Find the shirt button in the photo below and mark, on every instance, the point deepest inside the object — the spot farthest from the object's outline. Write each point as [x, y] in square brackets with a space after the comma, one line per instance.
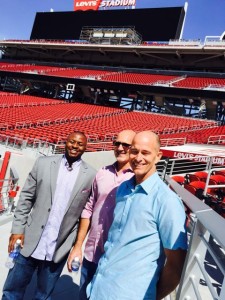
[42, 226]
[49, 209]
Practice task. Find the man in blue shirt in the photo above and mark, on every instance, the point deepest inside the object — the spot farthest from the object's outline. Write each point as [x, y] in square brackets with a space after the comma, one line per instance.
[147, 242]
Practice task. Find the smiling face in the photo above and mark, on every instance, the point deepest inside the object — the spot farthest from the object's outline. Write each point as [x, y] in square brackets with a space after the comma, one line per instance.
[75, 146]
[122, 145]
[144, 154]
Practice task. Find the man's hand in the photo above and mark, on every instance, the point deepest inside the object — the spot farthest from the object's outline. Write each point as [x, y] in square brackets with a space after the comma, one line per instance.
[12, 240]
[171, 273]
[75, 252]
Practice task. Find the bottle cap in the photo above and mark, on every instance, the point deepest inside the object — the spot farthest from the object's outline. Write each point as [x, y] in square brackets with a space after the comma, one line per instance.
[76, 258]
[18, 241]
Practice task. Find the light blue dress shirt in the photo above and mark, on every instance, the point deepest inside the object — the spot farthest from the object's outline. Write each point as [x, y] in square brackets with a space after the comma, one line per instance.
[64, 186]
[148, 217]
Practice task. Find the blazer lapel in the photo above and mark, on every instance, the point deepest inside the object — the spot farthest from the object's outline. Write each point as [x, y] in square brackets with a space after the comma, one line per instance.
[78, 184]
[55, 164]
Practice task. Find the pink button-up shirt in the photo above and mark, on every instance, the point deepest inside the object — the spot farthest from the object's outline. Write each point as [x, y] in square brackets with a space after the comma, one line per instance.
[100, 207]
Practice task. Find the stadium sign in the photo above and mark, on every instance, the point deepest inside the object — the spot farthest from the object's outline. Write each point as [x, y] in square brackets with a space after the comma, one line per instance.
[96, 4]
[116, 3]
[217, 157]
[86, 5]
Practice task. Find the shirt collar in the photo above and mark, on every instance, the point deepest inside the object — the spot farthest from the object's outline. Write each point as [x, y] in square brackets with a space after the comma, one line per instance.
[146, 185]
[74, 164]
[124, 171]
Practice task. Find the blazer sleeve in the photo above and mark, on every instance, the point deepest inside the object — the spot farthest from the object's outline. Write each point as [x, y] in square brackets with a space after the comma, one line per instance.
[26, 201]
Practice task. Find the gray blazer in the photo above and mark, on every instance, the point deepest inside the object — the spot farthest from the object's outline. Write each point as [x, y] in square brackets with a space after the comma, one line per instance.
[35, 202]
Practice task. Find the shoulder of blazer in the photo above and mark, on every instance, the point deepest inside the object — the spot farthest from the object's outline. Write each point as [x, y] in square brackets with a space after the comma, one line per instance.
[88, 167]
[53, 158]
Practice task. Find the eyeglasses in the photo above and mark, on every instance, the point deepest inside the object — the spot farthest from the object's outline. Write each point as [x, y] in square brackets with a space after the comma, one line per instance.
[124, 145]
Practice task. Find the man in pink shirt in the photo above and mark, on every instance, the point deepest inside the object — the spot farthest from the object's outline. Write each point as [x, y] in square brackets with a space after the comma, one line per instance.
[98, 212]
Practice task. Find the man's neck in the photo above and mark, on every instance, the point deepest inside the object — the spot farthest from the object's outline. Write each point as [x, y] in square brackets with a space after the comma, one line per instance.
[71, 160]
[121, 167]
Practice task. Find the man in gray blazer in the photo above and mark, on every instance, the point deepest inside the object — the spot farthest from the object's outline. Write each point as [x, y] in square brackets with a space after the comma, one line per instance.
[46, 218]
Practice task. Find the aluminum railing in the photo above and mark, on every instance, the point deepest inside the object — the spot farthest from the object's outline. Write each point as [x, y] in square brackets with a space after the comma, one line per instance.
[212, 186]
[206, 248]
[41, 147]
[8, 192]
[216, 139]
[180, 166]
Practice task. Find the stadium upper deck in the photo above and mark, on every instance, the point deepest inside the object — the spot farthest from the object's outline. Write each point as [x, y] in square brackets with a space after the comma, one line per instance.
[187, 55]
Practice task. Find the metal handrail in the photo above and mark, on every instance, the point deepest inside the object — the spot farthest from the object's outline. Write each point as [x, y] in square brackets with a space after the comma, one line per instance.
[8, 192]
[206, 233]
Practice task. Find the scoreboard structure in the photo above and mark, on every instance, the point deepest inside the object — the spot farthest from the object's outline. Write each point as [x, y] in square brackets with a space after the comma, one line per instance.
[153, 24]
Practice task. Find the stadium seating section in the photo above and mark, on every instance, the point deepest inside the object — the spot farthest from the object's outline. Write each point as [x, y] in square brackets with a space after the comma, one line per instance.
[116, 76]
[195, 183]
[51, 120]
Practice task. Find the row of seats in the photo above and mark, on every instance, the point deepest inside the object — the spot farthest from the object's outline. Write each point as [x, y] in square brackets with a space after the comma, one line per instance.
[16, 100]
[22, 114]
[26, 67]
[198, 136]
[125, 77]
[33, 115]
[78, 73]
[199, 82]
[138, 78]
[195, 183]
[50, 70]
[58, 121]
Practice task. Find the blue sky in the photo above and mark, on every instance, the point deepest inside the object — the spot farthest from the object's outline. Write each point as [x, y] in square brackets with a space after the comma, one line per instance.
[204, 17]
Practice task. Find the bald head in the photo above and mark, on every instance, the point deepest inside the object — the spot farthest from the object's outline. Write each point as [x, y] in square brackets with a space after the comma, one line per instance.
[150, 136]
[144, 154]
[121, 148]
[126, 136]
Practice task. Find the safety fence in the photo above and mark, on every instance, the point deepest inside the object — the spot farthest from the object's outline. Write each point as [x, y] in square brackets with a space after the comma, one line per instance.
[8, 192]
[46, 148]
[203, 275]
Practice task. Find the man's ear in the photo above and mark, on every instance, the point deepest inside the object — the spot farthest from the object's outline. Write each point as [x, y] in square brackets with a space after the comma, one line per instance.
[158, 157]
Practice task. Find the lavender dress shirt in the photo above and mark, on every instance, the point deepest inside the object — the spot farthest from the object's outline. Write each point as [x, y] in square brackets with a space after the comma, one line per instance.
[100, 207]
[64, 186]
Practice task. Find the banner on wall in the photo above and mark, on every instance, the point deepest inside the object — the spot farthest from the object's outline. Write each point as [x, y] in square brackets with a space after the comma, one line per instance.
[218, 155]
[118, 3]
[103, 4]
[86, 5]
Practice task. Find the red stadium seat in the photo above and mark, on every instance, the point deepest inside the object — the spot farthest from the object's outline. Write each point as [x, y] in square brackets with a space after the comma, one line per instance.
[179, 179]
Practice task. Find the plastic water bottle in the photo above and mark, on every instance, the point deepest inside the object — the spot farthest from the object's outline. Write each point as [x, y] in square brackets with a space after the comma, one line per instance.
[13, 255]
[75, 265]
